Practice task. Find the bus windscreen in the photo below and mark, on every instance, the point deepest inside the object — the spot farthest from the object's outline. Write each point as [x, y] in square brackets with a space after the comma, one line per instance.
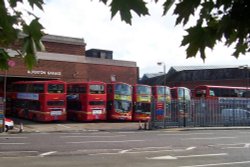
[97, 89]
[123, 89]
[56, 88]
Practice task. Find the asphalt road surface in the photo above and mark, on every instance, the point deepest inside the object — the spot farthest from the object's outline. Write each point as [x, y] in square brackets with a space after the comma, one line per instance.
[199, 148]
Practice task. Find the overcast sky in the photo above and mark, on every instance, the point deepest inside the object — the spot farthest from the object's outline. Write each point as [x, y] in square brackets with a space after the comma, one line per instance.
[149, 40]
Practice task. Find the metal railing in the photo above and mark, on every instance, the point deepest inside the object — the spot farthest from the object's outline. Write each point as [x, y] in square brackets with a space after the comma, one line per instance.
[203, 113]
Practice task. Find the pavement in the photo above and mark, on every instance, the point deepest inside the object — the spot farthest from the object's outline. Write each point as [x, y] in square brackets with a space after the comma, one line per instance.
[26, 126]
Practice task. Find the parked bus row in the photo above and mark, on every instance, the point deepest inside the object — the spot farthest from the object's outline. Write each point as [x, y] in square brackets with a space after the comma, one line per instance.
[89, 101]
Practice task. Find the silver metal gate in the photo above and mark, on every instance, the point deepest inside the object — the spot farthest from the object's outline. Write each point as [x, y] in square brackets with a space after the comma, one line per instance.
[203, 113]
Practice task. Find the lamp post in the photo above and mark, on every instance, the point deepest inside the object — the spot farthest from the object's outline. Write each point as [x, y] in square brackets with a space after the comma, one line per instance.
[164, 84]
[246, 68]
[11, 63]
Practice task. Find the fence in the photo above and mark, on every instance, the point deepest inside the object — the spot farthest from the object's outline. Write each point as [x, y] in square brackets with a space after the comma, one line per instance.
[203, 113]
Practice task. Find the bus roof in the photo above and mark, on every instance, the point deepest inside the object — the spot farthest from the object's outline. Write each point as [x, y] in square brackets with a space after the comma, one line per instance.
[87, 82]
[141, 85]
[119, 83]
[41, 82]
[219, 86]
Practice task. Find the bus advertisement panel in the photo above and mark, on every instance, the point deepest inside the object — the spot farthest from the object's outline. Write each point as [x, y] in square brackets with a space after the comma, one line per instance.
[142, 95]
[38, 100]
[161, 96]
[119, 101]
[86, 101]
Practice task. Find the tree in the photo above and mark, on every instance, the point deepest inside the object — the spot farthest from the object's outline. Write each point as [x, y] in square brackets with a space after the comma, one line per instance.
[14, 28]
[224, 21]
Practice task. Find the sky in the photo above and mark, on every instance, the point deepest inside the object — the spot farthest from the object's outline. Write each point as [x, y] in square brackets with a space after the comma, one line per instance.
[150, 39]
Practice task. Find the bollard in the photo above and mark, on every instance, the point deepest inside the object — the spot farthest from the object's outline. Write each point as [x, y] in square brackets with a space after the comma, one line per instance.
[21, 127]
[140, 126]
[149, 125]
[145, 125]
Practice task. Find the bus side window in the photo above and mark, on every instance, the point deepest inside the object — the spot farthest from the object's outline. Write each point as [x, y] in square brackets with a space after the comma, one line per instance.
[211, 93]
[246, 94]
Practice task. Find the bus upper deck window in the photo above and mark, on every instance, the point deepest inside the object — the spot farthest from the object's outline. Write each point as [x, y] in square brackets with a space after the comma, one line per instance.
[211, 93]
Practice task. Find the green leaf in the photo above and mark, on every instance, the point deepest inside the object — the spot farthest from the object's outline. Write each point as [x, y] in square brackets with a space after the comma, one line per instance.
[240, 49]
[13, 3]
[38, 3]
[4, 57]
[104, 1]
[8, 33]
[198, 39]
[185, 9]
[34, 30]
[125, 6]
[32, 42]
[29, 52]
[167, 5]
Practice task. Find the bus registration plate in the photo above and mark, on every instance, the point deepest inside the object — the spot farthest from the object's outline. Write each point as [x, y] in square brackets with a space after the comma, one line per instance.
[97, 111]
[55, 113]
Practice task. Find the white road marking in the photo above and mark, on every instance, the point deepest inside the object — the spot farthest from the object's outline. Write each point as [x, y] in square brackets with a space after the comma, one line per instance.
[99, 150]
[184, 134]
[144, 150]
[190, 148]
[244, 132]
[230, 144]
[47, 153]
[12, 137]
[13, 143]
[131, 152]
[233, 146]
[163, 157]
[7, 152]
[123, 151]
[220, 164]
[118, 141]
[209, 138]
[64, 126]
[128, 132]
[168, 157]
[92, 136]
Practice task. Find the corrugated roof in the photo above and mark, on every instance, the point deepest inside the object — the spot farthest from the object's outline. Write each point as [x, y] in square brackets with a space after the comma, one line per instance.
[152, 75]
[188, 68]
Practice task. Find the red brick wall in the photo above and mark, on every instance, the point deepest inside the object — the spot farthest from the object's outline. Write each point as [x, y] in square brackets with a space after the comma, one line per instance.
[75, 71]
[64, 48]
[56, 47]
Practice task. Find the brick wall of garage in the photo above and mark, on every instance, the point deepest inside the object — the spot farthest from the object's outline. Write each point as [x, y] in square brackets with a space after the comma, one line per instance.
[72, 49]
[75, 71]
[72, 71]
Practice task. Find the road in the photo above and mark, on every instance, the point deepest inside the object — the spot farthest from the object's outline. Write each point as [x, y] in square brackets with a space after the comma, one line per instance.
[199, 148]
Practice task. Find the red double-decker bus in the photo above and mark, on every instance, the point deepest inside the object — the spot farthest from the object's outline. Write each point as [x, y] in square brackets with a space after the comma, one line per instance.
[162, 96]
[119, 105]
[212, 91]
[180, 105]
[38, 100]
[86, 101]
[222, 97]
[142, 95]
